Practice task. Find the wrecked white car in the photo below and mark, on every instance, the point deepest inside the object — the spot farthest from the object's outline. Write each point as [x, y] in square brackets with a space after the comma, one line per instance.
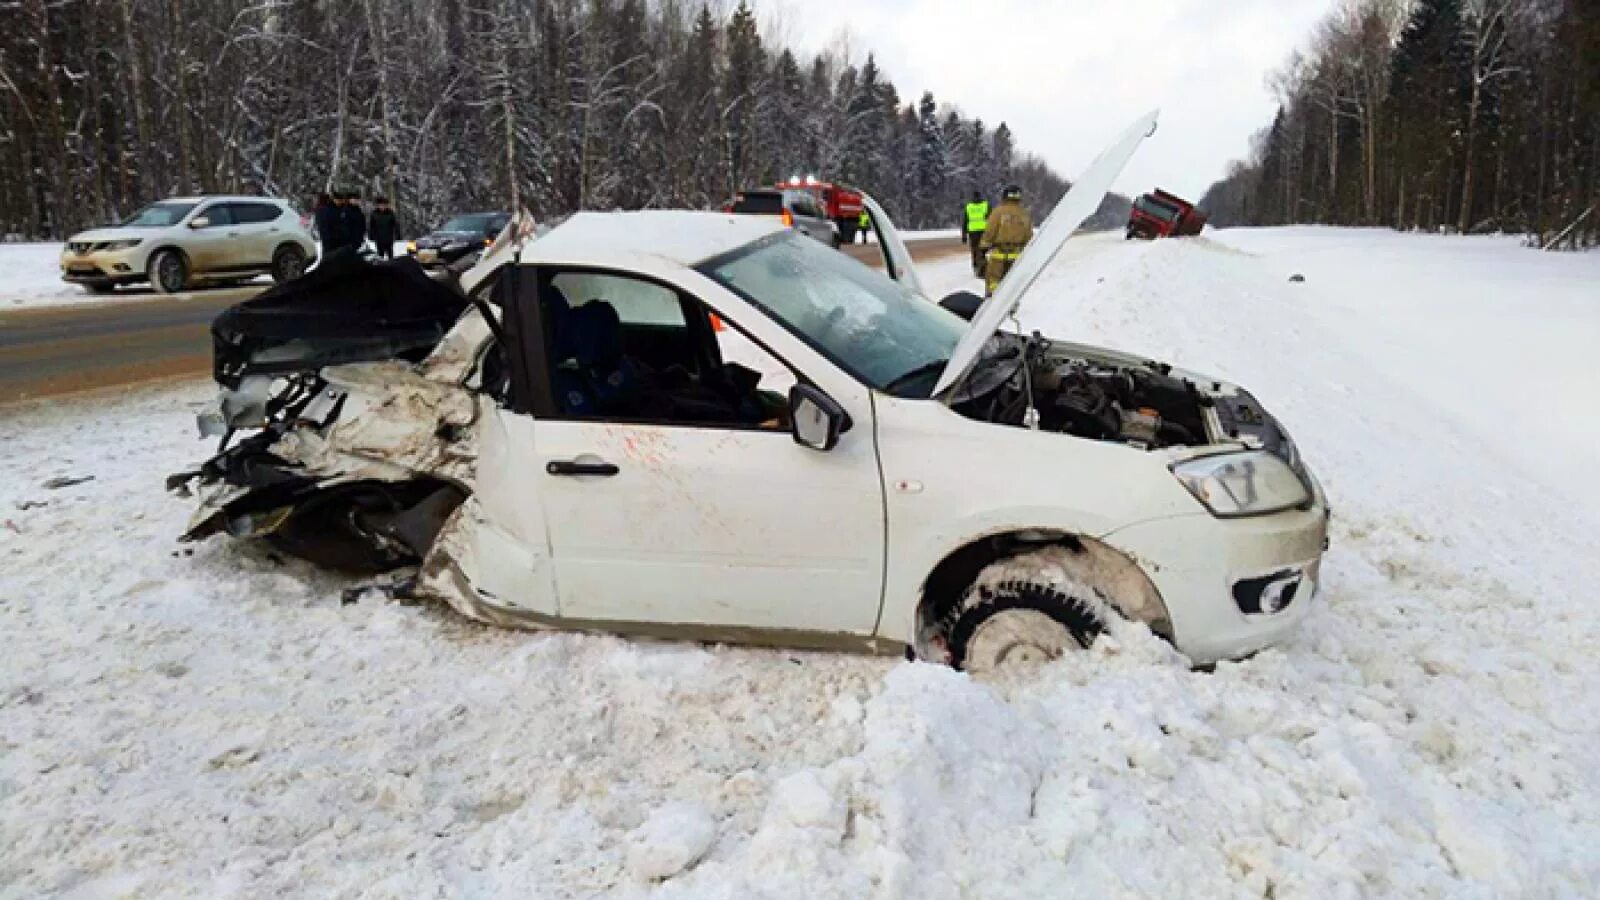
[708, 426]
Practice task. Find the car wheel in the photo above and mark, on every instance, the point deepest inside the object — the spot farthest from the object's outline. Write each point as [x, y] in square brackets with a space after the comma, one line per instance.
[169, 272]
[288, 263]
[1008, 620]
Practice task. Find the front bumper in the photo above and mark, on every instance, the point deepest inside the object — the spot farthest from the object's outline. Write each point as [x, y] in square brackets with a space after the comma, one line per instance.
[1231, 586]
[102, 266]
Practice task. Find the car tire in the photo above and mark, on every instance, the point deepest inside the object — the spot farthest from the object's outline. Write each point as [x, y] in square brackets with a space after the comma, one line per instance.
[1019, 622]
[169, 272]
[288, 263]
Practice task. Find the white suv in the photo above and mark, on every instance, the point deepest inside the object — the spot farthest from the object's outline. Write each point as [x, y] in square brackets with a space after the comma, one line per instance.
[177, 243]
[708, 426]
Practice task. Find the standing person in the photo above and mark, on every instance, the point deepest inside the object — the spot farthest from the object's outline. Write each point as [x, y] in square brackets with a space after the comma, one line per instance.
[1008, 230]
[329, 226]
[354, 221]
[864, 225]
[974, 221]
[381, 227]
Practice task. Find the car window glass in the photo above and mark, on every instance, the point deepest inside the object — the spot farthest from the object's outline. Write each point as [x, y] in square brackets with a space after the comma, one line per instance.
[254, 213]
[216, 214]
[870, 325]
[637, 302]
[159, 215]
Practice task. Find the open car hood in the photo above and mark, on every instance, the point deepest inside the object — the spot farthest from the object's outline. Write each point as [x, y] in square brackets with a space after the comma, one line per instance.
[1079, 204]
[345, 310]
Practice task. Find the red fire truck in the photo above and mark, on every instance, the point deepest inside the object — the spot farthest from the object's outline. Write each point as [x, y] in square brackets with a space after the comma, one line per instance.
[1161, 214]
[839, 203]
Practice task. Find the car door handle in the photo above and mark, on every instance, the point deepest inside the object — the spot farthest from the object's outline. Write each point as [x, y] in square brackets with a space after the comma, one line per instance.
[573, 467]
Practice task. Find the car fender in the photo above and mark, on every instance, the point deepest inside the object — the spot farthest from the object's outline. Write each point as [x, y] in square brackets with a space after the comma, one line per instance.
[950, 481]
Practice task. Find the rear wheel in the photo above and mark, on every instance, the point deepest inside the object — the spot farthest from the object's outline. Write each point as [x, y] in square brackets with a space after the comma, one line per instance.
[847, 232]
[288, 263]
[169, 272]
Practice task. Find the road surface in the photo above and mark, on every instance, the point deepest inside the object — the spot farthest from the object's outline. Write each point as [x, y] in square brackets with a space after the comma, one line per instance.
[60, 350]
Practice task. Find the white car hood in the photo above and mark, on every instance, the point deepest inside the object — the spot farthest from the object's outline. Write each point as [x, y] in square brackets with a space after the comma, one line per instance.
[1079, 204]
[111, 233]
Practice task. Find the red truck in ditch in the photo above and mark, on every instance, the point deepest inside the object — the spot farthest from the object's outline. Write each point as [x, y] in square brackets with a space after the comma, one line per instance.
[839, 203]
[1160, 214]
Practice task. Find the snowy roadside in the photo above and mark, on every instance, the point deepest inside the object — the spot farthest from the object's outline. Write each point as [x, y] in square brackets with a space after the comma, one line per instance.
[220, 724]
[30, 276]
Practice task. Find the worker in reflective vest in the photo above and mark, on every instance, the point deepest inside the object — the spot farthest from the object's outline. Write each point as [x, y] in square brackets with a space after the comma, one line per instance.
[974, 220]
[1008, 230]
[864, 225]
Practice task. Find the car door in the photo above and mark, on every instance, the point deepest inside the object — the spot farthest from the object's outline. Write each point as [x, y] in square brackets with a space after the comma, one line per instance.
[654, 518]
[259, 232]
[212, 246]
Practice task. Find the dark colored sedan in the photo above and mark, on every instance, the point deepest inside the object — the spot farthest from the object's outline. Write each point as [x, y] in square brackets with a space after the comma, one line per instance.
[463, 234]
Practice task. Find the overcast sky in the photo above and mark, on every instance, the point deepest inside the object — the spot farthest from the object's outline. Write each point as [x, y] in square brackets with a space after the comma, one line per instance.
[1067, 75]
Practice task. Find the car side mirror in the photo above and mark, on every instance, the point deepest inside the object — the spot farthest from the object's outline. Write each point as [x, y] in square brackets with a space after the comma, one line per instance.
[199, 222]
[815, 418]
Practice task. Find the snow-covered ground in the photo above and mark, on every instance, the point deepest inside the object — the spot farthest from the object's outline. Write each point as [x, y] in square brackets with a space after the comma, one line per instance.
[30, 275]
[219, 724]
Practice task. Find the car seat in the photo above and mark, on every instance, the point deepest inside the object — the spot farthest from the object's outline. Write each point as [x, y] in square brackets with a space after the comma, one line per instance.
[594, 376]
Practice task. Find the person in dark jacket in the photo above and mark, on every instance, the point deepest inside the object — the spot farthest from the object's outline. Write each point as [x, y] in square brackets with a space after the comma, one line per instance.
[353, 220]
[329, 226]
[381, 227]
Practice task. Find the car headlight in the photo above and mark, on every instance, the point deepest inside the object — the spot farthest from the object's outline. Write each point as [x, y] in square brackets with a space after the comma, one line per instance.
[122, 245]
[1253, 483]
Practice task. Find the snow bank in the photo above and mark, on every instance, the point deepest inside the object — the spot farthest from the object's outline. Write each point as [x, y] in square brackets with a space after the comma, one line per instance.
[220, 724]
[30, 275]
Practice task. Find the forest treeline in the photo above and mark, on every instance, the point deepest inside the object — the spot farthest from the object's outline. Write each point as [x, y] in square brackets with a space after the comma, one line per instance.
[1453, 115]
[448, 105]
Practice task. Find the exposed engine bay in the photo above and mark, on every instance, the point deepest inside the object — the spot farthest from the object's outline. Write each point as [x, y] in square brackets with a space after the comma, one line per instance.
[1033, 382]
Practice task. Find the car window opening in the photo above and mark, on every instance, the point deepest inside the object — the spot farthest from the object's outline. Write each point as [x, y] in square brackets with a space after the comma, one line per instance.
[629, 350]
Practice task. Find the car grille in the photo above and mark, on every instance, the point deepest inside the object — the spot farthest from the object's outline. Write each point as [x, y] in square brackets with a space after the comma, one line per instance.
[80, 247]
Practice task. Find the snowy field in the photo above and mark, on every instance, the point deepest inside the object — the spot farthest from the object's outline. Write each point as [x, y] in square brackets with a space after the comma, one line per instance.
[219, 724]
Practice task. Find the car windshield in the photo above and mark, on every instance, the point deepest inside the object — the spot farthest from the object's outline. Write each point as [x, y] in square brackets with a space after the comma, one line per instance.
[159, 215]
[1156, 208]
[882, 333]
[478, 224]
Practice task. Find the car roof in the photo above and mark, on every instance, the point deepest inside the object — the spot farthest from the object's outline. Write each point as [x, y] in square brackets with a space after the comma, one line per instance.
[680, 236]
[242, 198]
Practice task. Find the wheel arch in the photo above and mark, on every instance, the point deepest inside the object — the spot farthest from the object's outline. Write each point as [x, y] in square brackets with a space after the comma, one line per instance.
[1120, 578]
[150, 257]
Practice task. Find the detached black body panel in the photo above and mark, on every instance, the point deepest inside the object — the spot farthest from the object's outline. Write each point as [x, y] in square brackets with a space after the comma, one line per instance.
[345, 310]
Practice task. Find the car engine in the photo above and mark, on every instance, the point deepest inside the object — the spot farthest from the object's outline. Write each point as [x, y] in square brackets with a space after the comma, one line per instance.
[1140, 405]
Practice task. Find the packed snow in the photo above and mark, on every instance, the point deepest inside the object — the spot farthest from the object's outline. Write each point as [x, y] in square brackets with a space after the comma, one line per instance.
[214, 721]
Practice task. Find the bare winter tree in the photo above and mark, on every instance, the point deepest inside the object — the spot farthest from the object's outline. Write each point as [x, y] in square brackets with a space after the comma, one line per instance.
[1464, 115]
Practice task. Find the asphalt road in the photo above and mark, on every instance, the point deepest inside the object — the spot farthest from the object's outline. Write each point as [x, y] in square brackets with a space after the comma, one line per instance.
[60, 350]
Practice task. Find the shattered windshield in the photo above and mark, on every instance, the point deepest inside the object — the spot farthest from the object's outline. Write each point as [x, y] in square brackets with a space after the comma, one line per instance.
[872, 327]
[159, 215]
